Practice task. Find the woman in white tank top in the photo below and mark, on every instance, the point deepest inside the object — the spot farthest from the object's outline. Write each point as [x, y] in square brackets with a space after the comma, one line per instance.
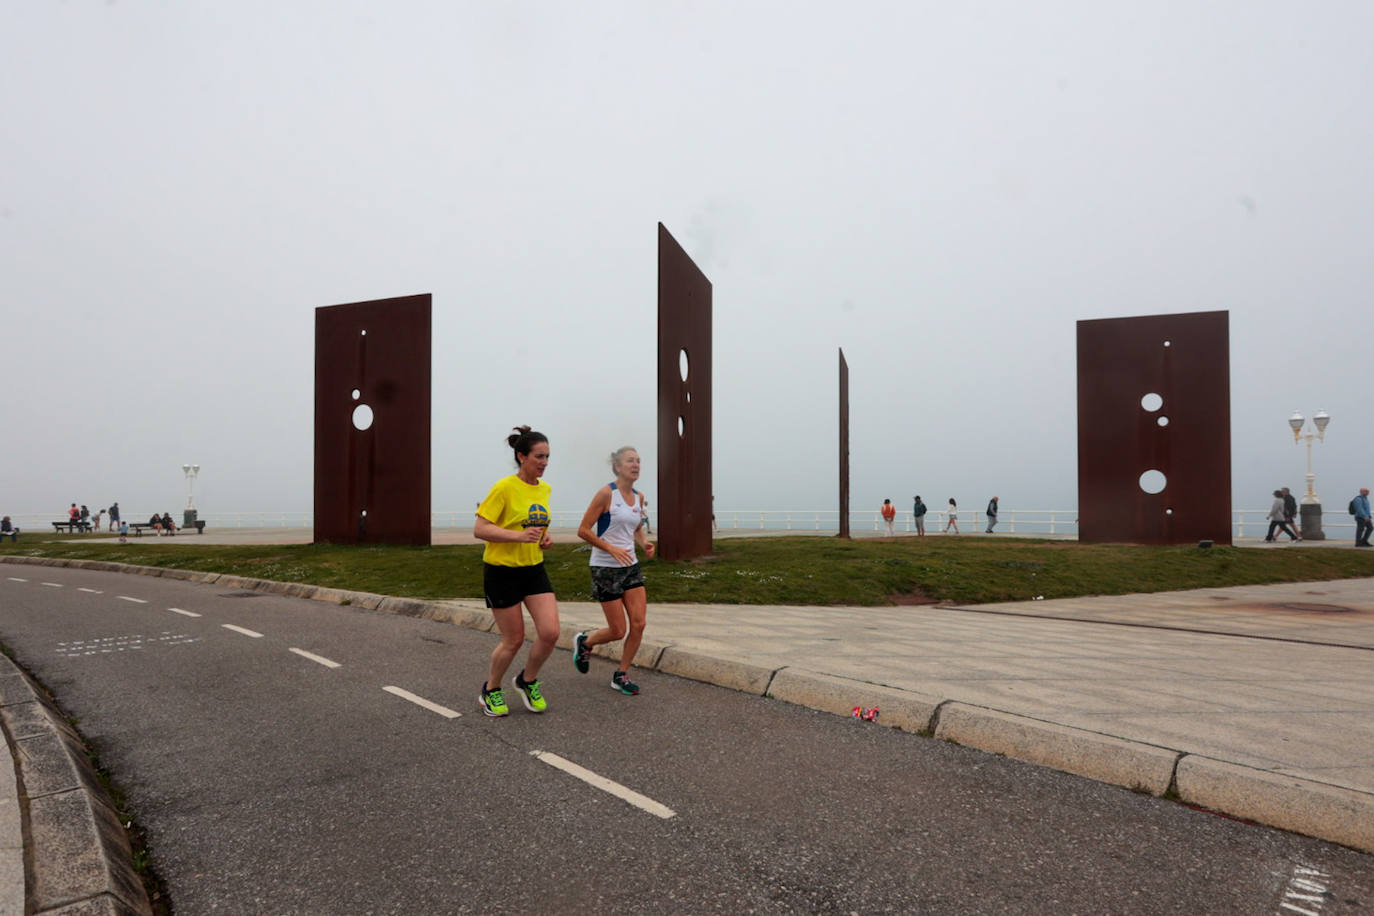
[613, 524]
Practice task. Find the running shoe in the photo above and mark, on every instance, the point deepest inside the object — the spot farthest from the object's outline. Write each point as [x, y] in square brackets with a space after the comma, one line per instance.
[619, 681]
[529, 692]
[581, 652]
[493, 702]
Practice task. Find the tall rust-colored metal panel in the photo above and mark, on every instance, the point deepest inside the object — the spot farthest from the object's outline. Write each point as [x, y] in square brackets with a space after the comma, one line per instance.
[844, 446]
[1154, 395]
[684, 404]
[372, 481]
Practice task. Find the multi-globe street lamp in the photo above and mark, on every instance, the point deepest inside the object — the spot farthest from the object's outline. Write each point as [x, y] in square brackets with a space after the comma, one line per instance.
[1311, 509]
[190, 470]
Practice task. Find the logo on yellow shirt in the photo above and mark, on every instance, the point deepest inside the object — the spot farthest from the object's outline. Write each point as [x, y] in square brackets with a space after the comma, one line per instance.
[538, 517]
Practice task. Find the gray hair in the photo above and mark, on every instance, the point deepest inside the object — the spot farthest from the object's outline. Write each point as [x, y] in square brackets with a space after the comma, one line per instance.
[619, 455]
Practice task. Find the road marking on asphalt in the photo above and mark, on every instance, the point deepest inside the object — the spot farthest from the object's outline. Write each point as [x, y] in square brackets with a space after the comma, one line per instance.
[230, 626]
[134, 600]
[107, 645]
[1304, 894]
[421, 701]
[52, 584]
[93, 591]
[177, 610]
[328, 663]
[643, 802]
[17, 579]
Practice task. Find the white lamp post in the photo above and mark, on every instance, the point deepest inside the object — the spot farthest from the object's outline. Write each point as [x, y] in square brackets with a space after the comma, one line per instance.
[190, 470]
[1311, 511]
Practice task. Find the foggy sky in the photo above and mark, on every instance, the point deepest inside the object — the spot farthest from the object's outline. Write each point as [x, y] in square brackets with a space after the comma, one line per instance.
[940, 189]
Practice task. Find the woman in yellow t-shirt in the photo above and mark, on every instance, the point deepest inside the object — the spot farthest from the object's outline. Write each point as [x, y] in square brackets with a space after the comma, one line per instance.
[514, 521]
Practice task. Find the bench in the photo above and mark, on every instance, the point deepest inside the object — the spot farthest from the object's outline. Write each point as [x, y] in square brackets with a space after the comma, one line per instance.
[71, 526]
[137, 528]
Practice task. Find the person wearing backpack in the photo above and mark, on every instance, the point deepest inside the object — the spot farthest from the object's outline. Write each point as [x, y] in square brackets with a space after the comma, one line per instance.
[1359, 507]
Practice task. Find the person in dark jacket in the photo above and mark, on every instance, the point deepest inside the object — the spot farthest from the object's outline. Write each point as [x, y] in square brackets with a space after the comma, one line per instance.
[992, 514]
[1290, 512]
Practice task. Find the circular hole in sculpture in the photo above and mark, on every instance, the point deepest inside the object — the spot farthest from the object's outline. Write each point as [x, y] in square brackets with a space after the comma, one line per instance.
[1152, 402]
[364, 333]
[362, 417]
[1163, 421]
[689, 397]
[364, 513]
[1168, 511]
[1152, 481]
[1168, 343]
[681, 427]
[682, 363]
[357, 394]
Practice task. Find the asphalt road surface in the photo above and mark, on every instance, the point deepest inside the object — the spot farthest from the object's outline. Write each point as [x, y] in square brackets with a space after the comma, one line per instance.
[273, 781]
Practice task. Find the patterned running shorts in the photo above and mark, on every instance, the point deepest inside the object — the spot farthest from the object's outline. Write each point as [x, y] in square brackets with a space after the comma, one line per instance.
[610, 583]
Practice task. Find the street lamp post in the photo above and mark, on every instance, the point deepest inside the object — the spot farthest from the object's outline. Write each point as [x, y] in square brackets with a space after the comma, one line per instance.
[189, 517]
[1310, 512]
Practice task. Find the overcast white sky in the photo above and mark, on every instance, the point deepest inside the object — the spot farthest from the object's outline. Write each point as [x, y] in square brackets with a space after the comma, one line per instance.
[943, 189]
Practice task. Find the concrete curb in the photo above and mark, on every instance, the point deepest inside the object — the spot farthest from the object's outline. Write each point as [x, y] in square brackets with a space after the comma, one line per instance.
[1315, 809]
[1132, 764]
[79, 852]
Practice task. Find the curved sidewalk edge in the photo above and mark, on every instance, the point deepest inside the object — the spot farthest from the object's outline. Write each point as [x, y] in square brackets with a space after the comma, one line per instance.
[1303, 806]
[53, 804]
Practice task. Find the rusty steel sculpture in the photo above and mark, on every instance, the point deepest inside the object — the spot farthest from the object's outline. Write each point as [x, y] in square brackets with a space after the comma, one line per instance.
[684, 404]
[844, 446]
[1154, 429]
[372, 422]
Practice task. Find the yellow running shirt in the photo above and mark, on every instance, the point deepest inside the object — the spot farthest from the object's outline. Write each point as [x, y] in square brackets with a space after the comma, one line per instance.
[515, 505]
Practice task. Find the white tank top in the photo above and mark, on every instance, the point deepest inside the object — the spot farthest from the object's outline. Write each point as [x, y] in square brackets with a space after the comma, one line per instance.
[617, 527]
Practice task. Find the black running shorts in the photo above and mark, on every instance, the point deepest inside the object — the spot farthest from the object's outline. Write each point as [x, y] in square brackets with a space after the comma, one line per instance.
[507, 586]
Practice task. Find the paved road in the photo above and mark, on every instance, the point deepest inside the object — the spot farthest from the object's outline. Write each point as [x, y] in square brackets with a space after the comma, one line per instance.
[269, 782]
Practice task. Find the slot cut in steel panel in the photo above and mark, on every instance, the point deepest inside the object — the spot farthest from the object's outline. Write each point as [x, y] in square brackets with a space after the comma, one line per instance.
[1154, 413]
[684, 404]
[372, 422]
[844, 446]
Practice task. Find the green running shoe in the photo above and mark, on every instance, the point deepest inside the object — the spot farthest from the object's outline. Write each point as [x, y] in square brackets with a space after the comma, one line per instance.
[529, 692]
[620, 681]
[493, 702]
[581, 652]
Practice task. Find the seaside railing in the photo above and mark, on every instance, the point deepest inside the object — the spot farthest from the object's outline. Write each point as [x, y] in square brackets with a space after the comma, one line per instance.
[1053, 523]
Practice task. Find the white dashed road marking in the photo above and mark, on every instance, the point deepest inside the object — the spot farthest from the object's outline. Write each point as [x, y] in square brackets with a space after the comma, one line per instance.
[316, 658]
[642, 802]
[230, 626]
[93, 591]
[1306, 893]
[17, 579]
[134, 600]
[421, 701]
[52, 584]
[177, 610]
[110, 644]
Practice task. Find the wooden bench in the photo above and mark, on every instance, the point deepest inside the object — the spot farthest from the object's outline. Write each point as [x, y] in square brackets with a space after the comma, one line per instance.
[71, 525]
[137, 528]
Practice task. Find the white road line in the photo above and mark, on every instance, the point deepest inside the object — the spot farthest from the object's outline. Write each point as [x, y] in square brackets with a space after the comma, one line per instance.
[230, 626]
[421, 701]
[51, 584]
[134, 600]
[93, 591]
[17, 579]
[177, 610]
[601, 782]
[328, 663]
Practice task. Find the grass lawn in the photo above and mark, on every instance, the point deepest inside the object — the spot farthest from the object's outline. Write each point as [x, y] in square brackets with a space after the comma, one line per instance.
[764, 570]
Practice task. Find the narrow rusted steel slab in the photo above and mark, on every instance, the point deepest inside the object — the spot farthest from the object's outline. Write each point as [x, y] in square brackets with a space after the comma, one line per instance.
[1183, 431]
[844, 446]
[372, 486]
[684, 403]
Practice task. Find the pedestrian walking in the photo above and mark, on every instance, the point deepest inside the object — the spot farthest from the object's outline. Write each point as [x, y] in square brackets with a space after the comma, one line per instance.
[992, 514]
[1359, 507]
[114, 516]
[918, 514]
[99, 514]
[889, 513]
[1290, 512]
[613, 524]
[1277, 519]
[953, 521]
[514, 521]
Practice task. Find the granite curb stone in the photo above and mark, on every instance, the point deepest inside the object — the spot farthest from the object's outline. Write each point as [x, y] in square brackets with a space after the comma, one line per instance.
[903, 709]
[1301, 805]
[1104, 758]
[81, 858]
